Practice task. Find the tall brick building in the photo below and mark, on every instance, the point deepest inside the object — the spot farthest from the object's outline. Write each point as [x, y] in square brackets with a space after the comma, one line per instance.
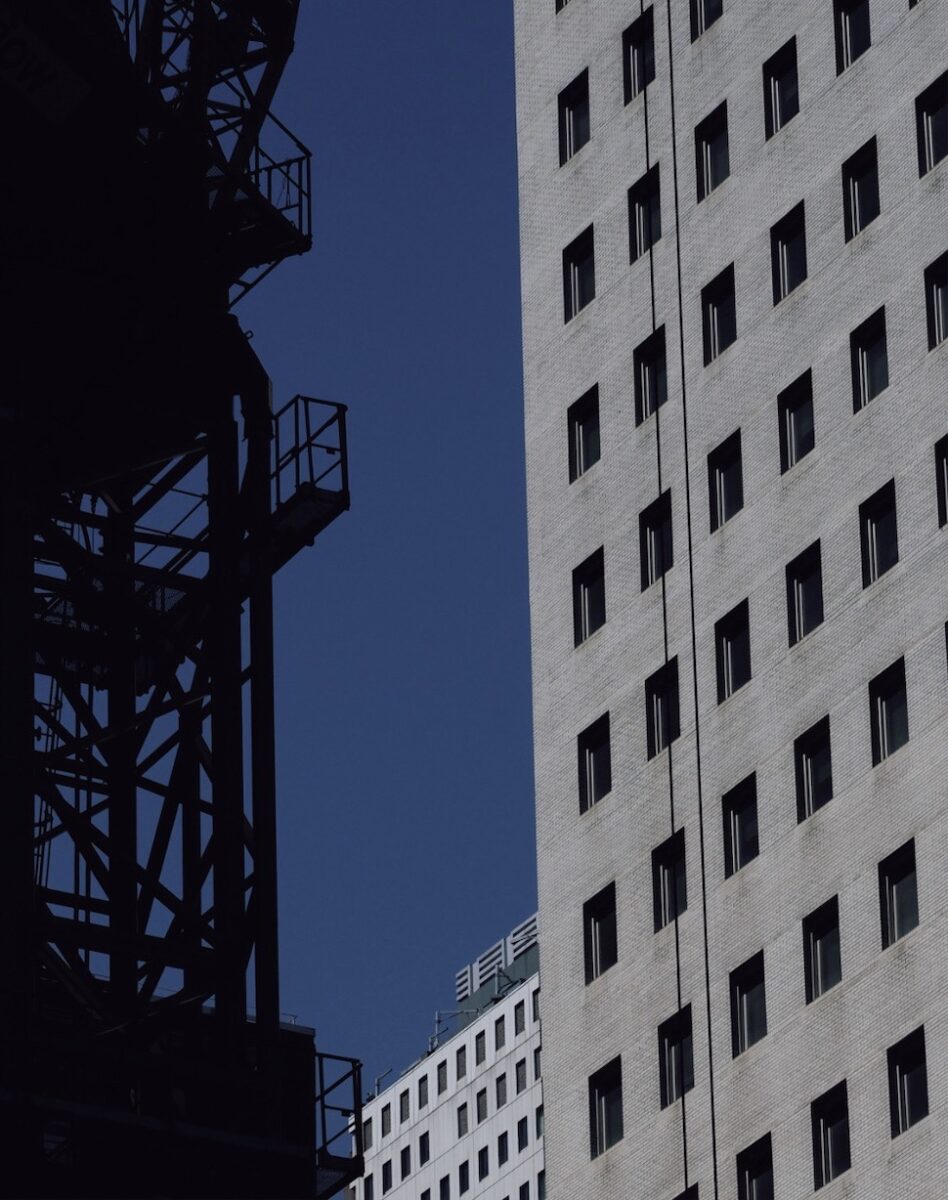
[734, 226]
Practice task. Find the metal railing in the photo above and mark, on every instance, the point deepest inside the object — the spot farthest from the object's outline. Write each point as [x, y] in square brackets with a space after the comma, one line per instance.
[309, 448]
[339, 1144]
[285, 182]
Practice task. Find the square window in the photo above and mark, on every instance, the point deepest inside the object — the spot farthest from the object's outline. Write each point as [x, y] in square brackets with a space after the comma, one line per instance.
[638, 56]
[464, 1178]
[781, 91]
[675, 1057]
[503, 1150]
[936, 300]
[655, 540]
[703, 15]
[462, 1120]
[878, 534]
[579, 274]
[795, 414]
[651, 386]
[520, 1017]
[853, 36]
[898, 894]
[480, 1105]
[501, 1090]
[870, 359]
[480, 1048]
[748, 1004]
[424, 1149]
[931, 120]
[500, 1033]
[582, 421]
[404, 1107]
[444, 1188]
[573, 105]
[386, 1176]
[520, 1073]
[405, 1161]
[599, 933]
[589, 597]
[740, 825]
[523, 1134]
[605, 1107]
[442, 1073]
[669, 880]
[804, 593]
[814, 769]
[908, 1082]
[645, 214]
[461, 1062]
[941, 479]
[423, 1092]
[712, 159]
[755, 1171]
[829, 1116]
[386, 1120]
[483, 1163]
[888, 708]
[860, 189]
[822, 965]
[725, 481]
[662, 724]
[788, 252]
[719, 314]
[595, 763]
[732, 649]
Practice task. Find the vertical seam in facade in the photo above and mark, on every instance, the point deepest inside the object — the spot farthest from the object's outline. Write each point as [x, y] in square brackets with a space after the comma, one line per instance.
[691, 592]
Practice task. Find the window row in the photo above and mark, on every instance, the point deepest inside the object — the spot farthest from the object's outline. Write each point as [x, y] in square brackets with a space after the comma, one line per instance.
[822, 961]
[460, 1068]
[829, 1113]
[500, 1093]
[482, 1162]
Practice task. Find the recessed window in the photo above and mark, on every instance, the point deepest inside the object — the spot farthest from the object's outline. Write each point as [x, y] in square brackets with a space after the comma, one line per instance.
[870, 359]
[503, 1149]
[655, 540]
[860, 189]
[480, 1105]
[719, 314]
[523, 1134]
[853, 36]
[520, 1017]
[669, 881]
[888, 708]
[535, 1000]
[405, 1162]
[386, 1176]
[712, 159]
[589, 597]
[898, 894]
[424, 1149]
[480, 1048]
[755, 1171]
[740, 825]
[645, 214]
[829, 1116]
[500, 1088]
[367, 1134]
[814, 769]
[404, 1106]
[541, 1185]
[368, 1191]
[538, 1122]
[675, 1057]
[595, 763]
[662, 723]
[638, 56]
[605, 1108]
[582, 421]
[804, 593]
[442, 1074]
[936, 300]
[931, 119]
[748, 1004]
[574, 116]
[524, 1191]
[908, 1082]
[579, 274]
[483, 1163]
[703, 15]
[732, 647]
[460, 1060]
[500, 1033]
[423, 1092]
[941, 479]
[599, 933]
[690, 1193]
[651, 388]
[725, 481]
[795, 414]
[536, 1064]
[560, 5]
[462, 1120]
[781, 91]
[878, 534]
[520, 1074]
[464, 1178]
[822, 964]
[788, 252]
[444, 1188]
[386, 1120]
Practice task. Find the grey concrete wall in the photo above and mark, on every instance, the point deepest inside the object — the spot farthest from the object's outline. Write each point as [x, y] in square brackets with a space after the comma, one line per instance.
[884, 995]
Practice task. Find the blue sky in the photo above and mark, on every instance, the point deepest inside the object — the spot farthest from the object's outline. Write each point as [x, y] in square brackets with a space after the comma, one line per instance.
[403, 690]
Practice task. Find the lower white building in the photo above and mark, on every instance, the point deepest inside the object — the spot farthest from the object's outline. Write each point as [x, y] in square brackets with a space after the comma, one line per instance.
[466, 1121]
